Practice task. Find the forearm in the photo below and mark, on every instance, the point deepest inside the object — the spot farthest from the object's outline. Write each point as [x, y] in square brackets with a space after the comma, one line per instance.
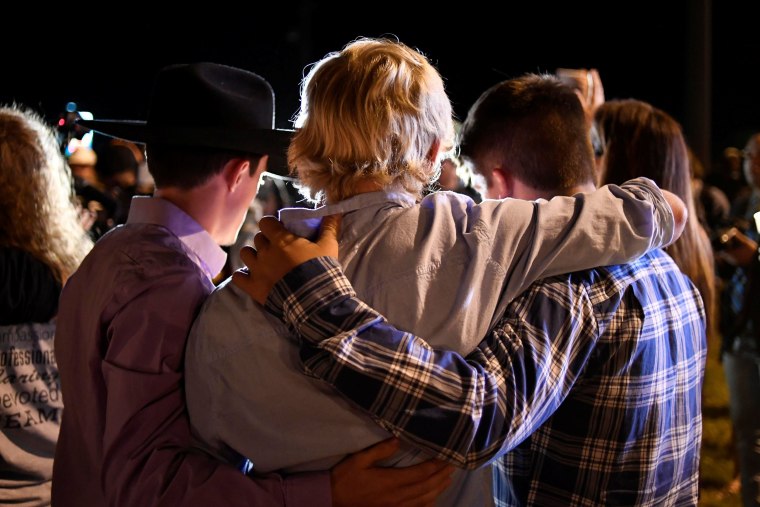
[393, 375]
[183, 477]
[151, 463]
[467, 411]
[613, 225]
[454, 411]
[150, 455]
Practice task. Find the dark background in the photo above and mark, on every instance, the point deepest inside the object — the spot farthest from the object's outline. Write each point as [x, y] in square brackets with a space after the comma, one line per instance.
[696, 59]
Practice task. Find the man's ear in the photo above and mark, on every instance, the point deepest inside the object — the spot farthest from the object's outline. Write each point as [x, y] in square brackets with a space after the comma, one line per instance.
[502, 184]
[234, 172]
[432, 154]
[238, 170]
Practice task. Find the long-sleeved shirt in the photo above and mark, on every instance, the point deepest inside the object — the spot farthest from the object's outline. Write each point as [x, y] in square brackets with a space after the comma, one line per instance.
[30, 395]
[441, 267]
[122, 327]
[587, 391]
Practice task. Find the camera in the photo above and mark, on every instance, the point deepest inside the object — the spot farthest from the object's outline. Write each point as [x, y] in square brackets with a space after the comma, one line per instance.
[733, 247]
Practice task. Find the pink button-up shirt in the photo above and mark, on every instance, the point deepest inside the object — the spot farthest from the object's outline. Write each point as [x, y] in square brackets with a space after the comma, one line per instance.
[122, 326]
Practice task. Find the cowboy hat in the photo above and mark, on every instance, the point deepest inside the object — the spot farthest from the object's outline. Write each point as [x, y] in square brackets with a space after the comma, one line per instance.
[207, 105]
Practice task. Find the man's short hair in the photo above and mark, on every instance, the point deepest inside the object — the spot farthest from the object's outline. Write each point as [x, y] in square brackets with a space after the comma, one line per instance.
[533, 126]
[188, 167]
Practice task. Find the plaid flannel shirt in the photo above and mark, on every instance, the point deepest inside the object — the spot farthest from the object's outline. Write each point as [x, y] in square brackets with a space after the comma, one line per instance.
[586, 393]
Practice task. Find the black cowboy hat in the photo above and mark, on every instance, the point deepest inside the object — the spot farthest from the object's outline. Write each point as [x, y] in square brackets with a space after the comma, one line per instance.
[207, 105]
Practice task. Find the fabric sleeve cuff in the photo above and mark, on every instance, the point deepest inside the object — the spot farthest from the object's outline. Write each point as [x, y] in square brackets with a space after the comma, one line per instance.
[664, 222]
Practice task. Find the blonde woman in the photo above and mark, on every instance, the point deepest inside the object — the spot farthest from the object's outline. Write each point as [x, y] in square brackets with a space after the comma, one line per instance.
[42, 241]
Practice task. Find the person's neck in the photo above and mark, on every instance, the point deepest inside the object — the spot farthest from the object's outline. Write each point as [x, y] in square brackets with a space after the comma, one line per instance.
[362, 186]
[201, 203]
[367, 185]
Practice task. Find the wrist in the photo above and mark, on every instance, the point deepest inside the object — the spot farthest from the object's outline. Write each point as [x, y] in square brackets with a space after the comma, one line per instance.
[307, 290]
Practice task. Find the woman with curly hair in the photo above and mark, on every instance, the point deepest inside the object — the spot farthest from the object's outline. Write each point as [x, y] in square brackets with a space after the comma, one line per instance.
[42, 242]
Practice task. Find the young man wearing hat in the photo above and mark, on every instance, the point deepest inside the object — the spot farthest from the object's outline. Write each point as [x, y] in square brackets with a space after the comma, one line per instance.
[124, 315]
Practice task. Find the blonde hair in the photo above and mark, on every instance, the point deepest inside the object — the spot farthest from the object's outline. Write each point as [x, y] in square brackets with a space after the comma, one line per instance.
[372, 110]
[38, 210]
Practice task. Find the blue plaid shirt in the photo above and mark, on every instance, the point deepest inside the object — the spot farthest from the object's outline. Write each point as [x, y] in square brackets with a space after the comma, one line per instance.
[586, 393]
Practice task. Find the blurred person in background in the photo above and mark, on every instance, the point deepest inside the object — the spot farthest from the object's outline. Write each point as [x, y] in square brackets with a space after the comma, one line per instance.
[82, 162]
[740, 321]
[91, 191]
[456, 176]
[728, 175]
[642, 140]
[117, 169]
[711, 204]
[42, 242]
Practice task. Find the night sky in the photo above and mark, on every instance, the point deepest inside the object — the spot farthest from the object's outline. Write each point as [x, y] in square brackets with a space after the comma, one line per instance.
[645, 50]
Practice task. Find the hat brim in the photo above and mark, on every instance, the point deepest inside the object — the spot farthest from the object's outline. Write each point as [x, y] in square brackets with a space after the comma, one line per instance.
[272, 142]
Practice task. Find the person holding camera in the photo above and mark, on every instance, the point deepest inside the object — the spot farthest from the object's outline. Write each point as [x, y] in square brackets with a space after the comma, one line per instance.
[740, 309]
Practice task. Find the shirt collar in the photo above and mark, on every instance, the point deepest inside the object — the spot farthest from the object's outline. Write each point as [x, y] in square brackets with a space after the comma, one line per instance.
[305, 222]
[153, 210]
